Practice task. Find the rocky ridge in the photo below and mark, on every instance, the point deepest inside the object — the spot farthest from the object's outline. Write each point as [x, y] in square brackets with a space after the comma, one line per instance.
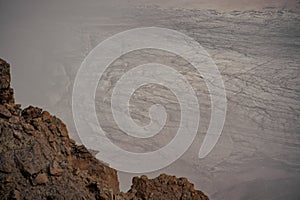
[38, 160]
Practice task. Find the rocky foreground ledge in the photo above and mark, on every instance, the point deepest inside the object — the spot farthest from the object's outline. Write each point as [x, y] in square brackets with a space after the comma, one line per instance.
[38, 160]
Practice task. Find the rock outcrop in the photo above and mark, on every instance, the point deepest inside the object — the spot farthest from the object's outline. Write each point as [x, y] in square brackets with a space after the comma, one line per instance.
[6, 92]
[162, 188]
[38, 160]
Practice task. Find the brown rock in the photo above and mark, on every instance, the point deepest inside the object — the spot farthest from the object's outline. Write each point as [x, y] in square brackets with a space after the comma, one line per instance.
[46, 116]
[18, 135]
[28, 128]
[7, 164]
[4, 112]
[31, 112]
[14, 120]
[40, 179]
[63, 130]
[51, 138]
[72, 171]
[163, 187]
[16, 195]
[6, 93]
[53, 129]
[6, 96]
[4, 74]
[55, 169]
[31, 160]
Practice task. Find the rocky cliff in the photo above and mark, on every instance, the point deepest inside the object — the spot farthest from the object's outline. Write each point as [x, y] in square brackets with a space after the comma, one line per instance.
[38, 160]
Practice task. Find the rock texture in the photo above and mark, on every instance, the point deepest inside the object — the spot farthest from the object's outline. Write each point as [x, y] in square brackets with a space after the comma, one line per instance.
[38, 160]
[163, 187]
[6, 92]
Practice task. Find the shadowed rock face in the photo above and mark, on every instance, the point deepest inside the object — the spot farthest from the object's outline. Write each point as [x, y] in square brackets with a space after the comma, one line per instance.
[38, 160]
[6, 93]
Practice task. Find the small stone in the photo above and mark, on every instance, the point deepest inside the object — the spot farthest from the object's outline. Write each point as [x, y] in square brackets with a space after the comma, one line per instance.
[28, 128]
[105, 193]
[51, 138]
[63, 129]
[37, 123]
[14, 120]
[46, 116]
[76, 171]
[53, 129]
[28, 169]
[40, 179]
[4, 112]
[16, 195]
[55, 169]
[18, 135]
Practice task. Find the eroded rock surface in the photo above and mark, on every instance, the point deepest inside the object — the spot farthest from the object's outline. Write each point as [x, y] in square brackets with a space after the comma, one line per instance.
[38, 160]
[6, 92]
[163, 187]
